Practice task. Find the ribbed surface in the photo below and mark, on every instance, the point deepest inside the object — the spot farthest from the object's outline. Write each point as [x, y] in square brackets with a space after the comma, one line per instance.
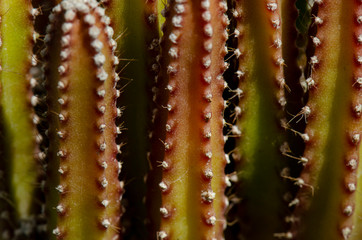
[257, 130]
[83, 186]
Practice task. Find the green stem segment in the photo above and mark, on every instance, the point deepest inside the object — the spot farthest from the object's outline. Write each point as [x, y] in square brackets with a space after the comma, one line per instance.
[260, 110]
[83, 187]
[19, 150]
[133, 36]
[333, 130]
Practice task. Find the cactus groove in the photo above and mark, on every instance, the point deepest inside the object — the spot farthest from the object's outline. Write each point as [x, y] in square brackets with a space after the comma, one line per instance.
[131, 34]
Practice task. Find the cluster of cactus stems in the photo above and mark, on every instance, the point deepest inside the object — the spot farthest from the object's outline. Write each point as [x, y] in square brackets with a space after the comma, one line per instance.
[185, 119]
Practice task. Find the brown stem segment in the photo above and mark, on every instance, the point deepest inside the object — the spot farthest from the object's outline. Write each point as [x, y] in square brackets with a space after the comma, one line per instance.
[187, 196]
[219, 22]
[83, 187]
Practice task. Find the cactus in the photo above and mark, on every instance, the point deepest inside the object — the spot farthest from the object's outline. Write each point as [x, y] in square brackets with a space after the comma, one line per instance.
[261, 102]
[333, 131]
[193, 182]
[112, 84]
[138, 69]
[82, 165]
[20, 165]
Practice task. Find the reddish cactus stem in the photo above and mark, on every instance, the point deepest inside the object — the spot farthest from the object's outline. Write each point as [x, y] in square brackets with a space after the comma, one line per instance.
[333, 129]
[187, 195]
[219, 21]
[82, 116]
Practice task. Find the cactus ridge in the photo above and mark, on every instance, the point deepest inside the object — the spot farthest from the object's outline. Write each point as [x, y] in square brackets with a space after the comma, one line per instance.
[187, 165]
[332, 147]
[258, 114]
[85, 38]
[219, 181]
[158, 114]
[21, 155]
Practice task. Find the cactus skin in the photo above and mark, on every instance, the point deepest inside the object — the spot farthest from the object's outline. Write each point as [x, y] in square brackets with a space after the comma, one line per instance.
[188, 199]
[19, 157]
[83, 187]
[333, 126]
[260, 111]
[219, 22]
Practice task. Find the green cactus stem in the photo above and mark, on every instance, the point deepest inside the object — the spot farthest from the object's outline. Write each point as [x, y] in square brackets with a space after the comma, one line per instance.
[192, 203]
[132, 34]
[20, 153]
[332, 136]
[83, 187]
[259, 114]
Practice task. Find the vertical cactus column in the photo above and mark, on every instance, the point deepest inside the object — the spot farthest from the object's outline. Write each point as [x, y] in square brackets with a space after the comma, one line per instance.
[19, 152]
[219, 23]
[138, 70]
[83, 187]
[192, 202]
[259, 114]
[333, 128]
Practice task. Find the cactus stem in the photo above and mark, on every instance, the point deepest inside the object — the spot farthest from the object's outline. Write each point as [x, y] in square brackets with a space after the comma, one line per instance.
[83, 129]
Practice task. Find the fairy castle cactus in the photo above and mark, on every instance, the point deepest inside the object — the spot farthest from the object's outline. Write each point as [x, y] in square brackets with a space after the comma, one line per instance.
[83, 190]
[104, 86]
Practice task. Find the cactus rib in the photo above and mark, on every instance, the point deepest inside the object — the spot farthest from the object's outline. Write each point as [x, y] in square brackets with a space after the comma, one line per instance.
[82, 113]
[21, 154]
[332, 146]
[261, 104]
[187, 209]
